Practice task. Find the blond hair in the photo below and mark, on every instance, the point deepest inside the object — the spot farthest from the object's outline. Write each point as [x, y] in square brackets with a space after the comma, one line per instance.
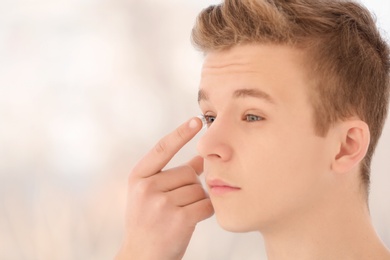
[347, 55]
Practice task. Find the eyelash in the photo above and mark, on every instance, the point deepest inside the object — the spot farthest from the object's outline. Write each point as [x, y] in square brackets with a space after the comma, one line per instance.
[210, 119]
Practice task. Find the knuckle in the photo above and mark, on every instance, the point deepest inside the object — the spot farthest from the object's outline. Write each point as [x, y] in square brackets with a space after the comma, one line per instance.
[181, 133]
[189, 173]
[160, 147]
[162, 202]
[132, 177]
[200, 190]
[135, 172]
[187, 168]
[143, 187]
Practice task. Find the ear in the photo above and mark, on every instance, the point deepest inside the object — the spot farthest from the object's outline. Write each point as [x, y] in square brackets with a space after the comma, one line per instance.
[352, 146]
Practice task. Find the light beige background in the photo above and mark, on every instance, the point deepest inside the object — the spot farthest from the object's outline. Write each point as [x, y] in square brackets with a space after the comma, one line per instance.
[87, 87]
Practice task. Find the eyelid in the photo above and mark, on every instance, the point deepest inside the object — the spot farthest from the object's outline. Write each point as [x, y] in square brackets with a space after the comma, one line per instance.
[260, 118]
[256, 112]
[206, 123]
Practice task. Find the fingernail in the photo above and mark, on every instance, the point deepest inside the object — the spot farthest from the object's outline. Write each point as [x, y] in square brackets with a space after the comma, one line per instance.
[193, 123]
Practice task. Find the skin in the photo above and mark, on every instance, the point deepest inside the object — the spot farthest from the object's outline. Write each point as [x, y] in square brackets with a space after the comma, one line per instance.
[301, 191]
[276, 158]
[164, 206]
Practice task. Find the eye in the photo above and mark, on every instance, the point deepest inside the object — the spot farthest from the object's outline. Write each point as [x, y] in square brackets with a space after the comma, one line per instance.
[209, 119]
[252, 118]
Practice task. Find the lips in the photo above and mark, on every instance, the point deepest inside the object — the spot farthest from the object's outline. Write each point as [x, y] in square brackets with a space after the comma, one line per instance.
[219, 187]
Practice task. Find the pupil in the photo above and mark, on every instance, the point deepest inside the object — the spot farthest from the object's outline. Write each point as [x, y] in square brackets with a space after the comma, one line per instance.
[251, 118]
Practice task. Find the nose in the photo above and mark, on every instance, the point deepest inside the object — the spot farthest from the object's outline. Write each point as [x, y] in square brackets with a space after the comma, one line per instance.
[215, 144]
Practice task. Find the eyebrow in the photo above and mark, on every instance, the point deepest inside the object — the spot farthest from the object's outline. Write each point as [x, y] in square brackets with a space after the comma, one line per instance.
[241, 93]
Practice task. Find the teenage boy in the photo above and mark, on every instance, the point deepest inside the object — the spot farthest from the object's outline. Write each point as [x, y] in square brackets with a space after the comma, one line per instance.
[295, 95]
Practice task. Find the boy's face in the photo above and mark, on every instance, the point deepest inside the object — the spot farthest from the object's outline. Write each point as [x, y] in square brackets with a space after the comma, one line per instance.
[261, 140]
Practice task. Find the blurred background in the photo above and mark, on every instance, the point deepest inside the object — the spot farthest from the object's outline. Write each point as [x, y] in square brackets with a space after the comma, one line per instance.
[86, 88]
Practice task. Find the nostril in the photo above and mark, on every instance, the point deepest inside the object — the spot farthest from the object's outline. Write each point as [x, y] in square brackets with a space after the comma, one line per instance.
[214, 156]
[214, 150]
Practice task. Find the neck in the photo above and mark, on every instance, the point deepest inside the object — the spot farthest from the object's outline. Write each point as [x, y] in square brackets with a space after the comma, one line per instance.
[340, 229]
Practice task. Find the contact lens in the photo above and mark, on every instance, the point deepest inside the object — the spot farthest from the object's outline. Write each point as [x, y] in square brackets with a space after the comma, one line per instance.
[204, 121]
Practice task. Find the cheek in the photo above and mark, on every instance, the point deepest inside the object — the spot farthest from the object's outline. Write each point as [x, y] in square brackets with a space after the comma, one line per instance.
[279, 183]
[281, 168]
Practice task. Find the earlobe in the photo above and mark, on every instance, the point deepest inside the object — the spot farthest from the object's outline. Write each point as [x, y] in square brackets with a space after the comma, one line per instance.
[353, 145]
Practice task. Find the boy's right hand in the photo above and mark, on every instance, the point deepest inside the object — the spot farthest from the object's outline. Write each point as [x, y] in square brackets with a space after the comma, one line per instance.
[163, 207]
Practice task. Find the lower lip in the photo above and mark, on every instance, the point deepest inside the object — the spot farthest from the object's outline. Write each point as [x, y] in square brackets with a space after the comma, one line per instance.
[220, 190]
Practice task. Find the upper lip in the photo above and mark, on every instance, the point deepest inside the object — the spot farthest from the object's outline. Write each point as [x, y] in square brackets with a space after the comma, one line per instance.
[219, 183]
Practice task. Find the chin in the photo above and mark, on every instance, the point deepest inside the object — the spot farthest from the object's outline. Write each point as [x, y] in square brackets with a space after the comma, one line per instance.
[234, 224]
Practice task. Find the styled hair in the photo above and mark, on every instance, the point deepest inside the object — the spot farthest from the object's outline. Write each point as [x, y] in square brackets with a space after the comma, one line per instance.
[347, 57]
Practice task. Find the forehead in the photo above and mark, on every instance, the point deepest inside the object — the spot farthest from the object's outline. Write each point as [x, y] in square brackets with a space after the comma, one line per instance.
[253, 56]
[274, 69]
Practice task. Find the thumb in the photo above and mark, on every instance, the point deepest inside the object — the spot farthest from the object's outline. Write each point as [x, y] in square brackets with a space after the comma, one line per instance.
[196, 163]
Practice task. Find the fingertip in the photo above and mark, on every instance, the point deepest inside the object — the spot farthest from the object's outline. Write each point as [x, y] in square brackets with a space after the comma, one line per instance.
[193, 123]
[196, 123]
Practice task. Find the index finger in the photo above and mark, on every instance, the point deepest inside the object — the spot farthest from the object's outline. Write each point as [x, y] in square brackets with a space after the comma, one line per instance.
[157, 158]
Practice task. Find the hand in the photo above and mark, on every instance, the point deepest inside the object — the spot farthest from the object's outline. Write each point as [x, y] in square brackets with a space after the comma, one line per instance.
[163, 207]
